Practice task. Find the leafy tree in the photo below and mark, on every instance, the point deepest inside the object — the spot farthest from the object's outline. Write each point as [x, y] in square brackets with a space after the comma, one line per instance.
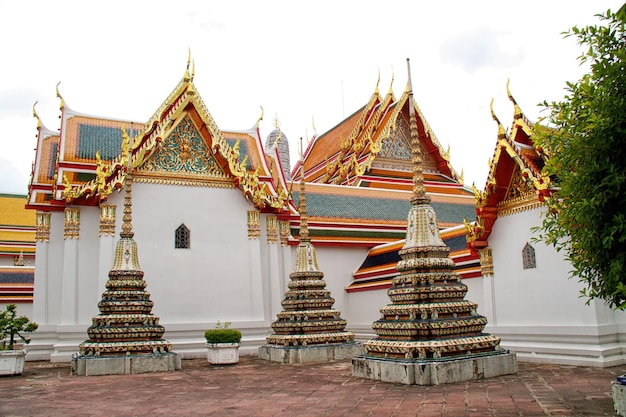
[13, 327]
[585, 146]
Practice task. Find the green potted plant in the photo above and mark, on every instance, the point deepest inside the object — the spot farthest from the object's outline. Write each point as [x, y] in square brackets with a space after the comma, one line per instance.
[222, 344]
[12, 334]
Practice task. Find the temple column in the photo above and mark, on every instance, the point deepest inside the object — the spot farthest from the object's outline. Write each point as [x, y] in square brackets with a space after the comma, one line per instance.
[42, 238]
[107, 245]
[489, 301]
[255, 264]
[70, 267]
[274, 294]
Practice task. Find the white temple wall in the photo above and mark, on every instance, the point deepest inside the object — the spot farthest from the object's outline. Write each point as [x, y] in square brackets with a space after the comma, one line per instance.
[223, 276]
[213, 279]
[87, 283]
[53, 267]
[360, 309]
[538, 312]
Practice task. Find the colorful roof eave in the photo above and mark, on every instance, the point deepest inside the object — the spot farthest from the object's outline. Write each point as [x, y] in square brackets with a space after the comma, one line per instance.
[256, 186]
[495, 188]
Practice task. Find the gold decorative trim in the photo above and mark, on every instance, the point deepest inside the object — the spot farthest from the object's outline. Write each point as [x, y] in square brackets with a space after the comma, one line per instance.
[285, 232]
[271, 224]
[72, 223]
[107, 220]
[524, 202]
[486, 261]
[254, 224]
[42, 232]
[155, 179]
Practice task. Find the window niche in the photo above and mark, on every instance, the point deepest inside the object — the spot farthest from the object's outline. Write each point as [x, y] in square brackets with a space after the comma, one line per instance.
[181, 237]
[528, 257]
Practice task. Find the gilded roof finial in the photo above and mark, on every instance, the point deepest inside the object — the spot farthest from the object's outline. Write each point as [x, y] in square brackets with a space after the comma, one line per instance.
[419, 192]
[188, 77]
[313, 125]
[59, 96]
[378, 81]
[260, 117]
[393, 77]
[280, 132]
[501, 131]
[36, 115]
[517, 111]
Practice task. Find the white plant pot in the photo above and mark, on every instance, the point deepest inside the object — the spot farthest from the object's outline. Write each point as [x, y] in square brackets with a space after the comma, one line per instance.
[222, 353]
[12, 362]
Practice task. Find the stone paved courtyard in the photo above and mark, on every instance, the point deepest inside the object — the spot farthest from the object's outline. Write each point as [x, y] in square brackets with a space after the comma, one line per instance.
[258, 388]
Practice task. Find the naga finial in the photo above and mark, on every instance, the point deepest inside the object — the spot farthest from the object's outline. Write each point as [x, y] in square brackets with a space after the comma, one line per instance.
[501, 132]
[36, 115]
[378, 81]
[261, 116]
[188, 77]
[59, 96]
[517, 111]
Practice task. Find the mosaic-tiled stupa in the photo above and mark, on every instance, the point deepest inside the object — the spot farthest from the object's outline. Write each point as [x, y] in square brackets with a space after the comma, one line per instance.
[429, 322]
[125, 337]
[308, 329]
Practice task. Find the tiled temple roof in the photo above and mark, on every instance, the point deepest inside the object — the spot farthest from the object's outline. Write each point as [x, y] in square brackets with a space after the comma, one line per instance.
[515, 181]
[16, 284]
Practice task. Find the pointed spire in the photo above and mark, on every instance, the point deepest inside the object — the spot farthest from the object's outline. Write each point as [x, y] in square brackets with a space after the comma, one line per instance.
[517, 111]
[501, 131]
[36, 115]
[62, 105]
[187, 77]
[304, 220]
[419, 191]
[258, 121]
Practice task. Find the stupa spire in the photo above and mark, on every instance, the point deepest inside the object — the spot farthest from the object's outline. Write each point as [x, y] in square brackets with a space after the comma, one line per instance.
[308, 318]
[428, 319]
[125, 325]
[419, 191]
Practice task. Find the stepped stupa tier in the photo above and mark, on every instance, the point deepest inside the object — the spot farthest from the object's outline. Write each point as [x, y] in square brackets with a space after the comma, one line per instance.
[429, 334]
[429, 317]
[308, 317]
[125, 337]
[308, 329]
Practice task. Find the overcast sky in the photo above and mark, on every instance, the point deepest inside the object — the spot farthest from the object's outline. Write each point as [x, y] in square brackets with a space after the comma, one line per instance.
[302, 61]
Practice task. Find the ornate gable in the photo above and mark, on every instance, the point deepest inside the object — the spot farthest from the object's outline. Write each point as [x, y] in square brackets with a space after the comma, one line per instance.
[184, 156]
[395, 152]
[515, 182]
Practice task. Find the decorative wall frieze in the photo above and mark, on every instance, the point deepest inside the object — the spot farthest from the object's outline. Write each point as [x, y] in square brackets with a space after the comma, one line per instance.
[519, 203]
[254, 224]
[72, 223]
[272, 229]
[42, 232]
[284, 232]
[107, 220]
[486, 261]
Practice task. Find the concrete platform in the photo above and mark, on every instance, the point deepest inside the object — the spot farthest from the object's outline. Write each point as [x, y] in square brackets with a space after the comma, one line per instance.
[434, 372]
[130, 364]
[310, 353]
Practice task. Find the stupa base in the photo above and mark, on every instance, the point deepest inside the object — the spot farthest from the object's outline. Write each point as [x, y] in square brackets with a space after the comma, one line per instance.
[434, 372]
[128, 364]
[310, 353]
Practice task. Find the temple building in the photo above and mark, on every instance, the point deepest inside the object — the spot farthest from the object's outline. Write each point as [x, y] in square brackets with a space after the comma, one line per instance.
[525, 292]
[217, 225]
[17, 253]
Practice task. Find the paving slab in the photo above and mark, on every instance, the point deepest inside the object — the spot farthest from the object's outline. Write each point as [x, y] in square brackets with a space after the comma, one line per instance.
[256, 387]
